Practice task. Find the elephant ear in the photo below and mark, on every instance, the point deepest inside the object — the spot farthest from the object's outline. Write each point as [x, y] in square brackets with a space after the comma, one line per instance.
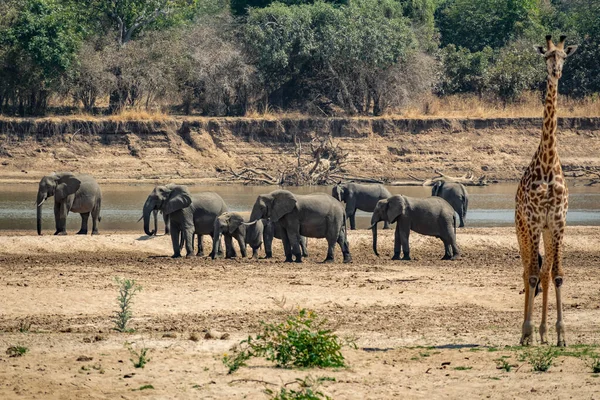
[435, 189]
[283, 203]
[178, 198]
[395, 208]
[66, 185]
[234, 222]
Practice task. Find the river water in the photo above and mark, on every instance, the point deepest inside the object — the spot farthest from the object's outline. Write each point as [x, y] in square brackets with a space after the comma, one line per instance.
[489, 206]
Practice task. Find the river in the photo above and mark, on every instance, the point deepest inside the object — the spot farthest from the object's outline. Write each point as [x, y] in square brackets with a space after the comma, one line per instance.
[489, 206]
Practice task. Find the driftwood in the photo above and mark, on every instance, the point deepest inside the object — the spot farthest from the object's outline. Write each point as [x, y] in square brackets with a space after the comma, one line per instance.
[467, 179]
[318, 166]
[591, 173]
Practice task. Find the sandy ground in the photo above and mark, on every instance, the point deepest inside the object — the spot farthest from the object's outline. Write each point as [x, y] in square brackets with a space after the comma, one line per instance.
[424, 329]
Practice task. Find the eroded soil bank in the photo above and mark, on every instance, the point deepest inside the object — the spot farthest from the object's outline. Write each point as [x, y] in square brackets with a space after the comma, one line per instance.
[424, 328]
[202, 150]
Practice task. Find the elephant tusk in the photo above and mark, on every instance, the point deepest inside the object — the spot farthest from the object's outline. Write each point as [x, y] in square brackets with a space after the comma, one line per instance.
[249, 223]
[41, 202]
[141, 218]
[372, 226]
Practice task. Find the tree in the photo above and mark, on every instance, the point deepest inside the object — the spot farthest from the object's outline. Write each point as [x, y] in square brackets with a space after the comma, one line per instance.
[475, 25]
[38, 44]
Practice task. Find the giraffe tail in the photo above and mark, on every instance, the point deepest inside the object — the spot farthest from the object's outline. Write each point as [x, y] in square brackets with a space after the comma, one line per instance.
[538, 287]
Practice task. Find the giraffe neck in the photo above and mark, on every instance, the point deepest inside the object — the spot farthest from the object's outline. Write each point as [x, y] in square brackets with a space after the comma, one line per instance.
[548, 142]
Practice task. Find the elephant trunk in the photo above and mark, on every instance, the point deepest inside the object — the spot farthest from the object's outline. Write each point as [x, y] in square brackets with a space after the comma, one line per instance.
[155, 215]
[256, 213]
[148, 208]
[374, 222]
[41, 197]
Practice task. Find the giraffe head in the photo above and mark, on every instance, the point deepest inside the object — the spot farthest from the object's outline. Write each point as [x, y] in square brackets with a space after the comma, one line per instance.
[555, 55]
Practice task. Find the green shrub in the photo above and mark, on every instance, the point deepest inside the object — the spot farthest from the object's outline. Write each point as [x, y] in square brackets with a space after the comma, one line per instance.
[16, 351]
[540, 358]
[308, 391]
[301, 341]
[127, 289]
[594, 362]
[140, 357]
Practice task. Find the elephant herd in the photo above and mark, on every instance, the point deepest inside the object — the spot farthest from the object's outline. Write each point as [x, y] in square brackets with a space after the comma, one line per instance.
[279, 214]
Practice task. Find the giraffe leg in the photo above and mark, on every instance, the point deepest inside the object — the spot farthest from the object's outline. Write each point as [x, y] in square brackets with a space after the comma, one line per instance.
[533, 277]
[546, 267]
[557, 276]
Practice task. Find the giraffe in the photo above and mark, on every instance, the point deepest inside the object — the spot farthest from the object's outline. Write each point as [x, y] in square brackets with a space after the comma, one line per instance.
[541, 207]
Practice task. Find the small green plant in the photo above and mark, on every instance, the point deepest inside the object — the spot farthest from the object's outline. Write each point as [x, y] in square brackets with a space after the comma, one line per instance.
[145, 387]
[540, 358]
[127, 289]
[301, 341]
[593, 361]
[462, 368]
[502, 363]
[16, 351]
[140, 358]
[308, 390]
[24, 326]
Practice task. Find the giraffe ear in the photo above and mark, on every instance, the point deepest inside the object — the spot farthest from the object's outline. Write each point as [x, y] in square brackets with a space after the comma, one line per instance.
[570, 50]
[539, 49]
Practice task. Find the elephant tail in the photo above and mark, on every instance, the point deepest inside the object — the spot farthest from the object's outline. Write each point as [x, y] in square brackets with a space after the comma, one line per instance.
[454, 222]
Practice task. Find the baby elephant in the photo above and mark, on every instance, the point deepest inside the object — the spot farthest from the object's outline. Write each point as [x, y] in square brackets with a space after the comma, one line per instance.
[432, 216]
[232, 225]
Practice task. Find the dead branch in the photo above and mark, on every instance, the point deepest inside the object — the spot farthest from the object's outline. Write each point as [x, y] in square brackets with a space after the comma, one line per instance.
[467, 179]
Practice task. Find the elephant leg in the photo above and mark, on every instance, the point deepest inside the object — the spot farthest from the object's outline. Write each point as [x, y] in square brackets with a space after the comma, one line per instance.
[352, 218]
[447, 250]
[242, 243]
[294, 239]
[404, 236]
[229, 250]
[386, 225]
[200, 252]
[95, 219]
[188, 235]
[175, 240]
[455, 249]
[60, 217]
[268, 242]
[84, 223]
[303, 245]
[330, 249]
[287, 248]
[342, 240]
[397, 243]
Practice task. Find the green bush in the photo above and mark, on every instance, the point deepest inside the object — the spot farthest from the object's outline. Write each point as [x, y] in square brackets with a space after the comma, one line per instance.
[309, 390]
[301, 341]
[540, 358]
[127, 289]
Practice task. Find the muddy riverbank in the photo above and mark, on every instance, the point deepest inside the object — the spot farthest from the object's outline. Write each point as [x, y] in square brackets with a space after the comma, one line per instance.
[202, 150]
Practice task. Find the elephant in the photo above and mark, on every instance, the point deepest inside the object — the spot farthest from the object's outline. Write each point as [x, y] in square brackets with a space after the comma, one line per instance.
[361, 197]
[313, 215]
[188, 215]
[78, 193]
[232, 225]
[454, 193]
[432, 216]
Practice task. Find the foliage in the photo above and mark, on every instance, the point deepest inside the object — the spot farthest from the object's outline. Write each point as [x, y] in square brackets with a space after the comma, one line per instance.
[16, 351]
[127, 290]
[486, 23]
[464, 71]
[140, 358]
[540, 358]
[502, 363]
[516, 69]
[38, 41]
[301, 341]
[308, 391]
[593, 361]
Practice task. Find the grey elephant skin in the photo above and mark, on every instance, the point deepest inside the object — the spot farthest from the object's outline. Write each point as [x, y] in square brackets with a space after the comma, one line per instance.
[454, 193]
[188, 215]
[78, 193]
[360, 197]
[432, 216]
[314, 215]
[165, 219]
[233, 225]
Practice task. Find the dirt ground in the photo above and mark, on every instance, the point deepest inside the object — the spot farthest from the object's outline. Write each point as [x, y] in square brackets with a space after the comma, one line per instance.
[423, 329]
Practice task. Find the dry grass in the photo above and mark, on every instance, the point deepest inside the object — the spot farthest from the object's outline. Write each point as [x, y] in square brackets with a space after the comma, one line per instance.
[472, 106]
